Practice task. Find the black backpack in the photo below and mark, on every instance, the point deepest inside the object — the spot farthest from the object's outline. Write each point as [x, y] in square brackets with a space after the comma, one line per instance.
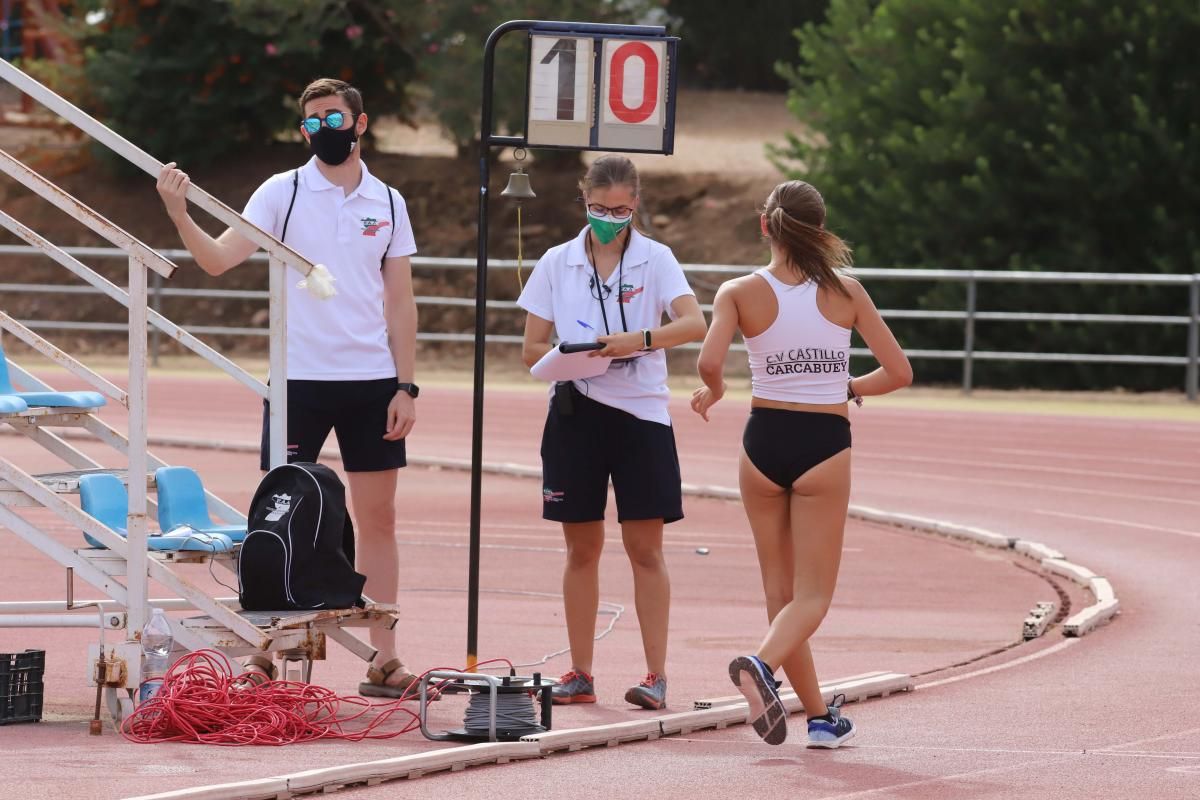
[299, 549]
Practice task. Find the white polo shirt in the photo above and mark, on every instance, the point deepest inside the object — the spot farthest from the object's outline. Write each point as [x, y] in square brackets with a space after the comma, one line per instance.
[558, 291]
[345, 337]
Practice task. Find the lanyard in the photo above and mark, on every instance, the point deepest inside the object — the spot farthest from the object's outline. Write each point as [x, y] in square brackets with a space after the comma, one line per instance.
[620, 281]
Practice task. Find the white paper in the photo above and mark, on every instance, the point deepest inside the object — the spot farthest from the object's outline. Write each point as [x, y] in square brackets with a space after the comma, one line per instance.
[559, 366]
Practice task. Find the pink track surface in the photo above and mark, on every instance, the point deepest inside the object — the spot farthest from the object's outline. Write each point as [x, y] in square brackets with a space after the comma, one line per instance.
[1114, 715]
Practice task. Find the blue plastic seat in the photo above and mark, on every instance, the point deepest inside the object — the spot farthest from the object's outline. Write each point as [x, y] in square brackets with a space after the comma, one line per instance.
[103, 496]
[44, 399]
[10, 404]
[181, 503]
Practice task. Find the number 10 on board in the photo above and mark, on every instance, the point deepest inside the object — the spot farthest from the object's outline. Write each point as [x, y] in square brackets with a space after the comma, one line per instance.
[636, 109]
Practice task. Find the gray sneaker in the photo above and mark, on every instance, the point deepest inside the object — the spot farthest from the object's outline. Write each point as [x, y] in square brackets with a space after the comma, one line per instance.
[651, 693]
[574, 687]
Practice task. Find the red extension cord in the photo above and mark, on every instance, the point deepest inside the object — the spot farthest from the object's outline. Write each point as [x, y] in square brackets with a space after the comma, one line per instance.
[199, 704]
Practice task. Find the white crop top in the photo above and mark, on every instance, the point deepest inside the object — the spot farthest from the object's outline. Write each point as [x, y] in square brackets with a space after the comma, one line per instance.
[802, 357]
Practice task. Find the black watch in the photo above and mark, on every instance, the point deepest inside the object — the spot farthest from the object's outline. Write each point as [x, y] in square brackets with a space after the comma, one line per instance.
[412, 389]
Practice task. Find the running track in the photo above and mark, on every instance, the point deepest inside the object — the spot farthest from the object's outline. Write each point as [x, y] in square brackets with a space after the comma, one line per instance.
[1114, 715]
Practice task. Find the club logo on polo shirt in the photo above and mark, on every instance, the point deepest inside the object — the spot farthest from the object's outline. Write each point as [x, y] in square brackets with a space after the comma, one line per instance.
[628, 292]
[372, 226]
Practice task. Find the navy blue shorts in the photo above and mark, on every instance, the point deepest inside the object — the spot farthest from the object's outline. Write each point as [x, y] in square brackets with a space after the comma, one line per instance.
[583, 450]
[356, 411]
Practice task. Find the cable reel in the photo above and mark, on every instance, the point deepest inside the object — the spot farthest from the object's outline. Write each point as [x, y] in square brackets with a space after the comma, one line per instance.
[500, 708]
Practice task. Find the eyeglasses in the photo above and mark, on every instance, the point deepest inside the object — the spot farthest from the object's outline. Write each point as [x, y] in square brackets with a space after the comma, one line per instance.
[617, 212]
[599, 290]
[334, 119]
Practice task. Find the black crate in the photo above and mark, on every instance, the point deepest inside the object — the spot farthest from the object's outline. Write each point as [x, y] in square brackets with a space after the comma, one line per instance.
[21, 686]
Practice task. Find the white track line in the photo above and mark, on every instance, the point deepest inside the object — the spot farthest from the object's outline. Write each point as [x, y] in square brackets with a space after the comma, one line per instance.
[1065, 643]
[1042, 454]
[1023, 485]
[1087, 473]
[894, 787]
[1118, 522]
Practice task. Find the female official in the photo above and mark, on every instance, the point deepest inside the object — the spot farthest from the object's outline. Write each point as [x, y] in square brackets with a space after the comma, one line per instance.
[796, 315]
[612, 285]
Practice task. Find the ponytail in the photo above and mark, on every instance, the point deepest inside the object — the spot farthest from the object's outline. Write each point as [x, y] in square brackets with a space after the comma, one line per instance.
[796, 224]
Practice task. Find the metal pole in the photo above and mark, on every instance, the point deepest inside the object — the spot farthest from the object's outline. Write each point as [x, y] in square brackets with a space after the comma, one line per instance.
[481, 268]
[1193, 345]
[969, 334]
[156, 286]
[136, 560]
[56, 621]
[277, 377]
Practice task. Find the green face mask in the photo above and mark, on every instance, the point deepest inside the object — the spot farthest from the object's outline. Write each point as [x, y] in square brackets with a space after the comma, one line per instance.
[606, 227]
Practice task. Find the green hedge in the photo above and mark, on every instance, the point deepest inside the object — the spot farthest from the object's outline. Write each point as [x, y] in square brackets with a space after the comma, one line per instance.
[729, 45]
[191, 80]
[1023, 134]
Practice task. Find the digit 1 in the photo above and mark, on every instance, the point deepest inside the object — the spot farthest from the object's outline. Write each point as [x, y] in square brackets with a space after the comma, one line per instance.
[565, 50]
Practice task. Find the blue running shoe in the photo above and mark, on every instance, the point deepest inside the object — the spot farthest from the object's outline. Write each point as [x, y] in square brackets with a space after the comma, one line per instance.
[829, 732]
[651, 693]
[767, 714]
[574, 687]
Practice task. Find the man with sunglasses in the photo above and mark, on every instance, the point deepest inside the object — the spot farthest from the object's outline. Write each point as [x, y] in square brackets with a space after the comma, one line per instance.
[350, 358]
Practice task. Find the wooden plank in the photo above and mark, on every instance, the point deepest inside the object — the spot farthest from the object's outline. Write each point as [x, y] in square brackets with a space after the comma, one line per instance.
[717, 717]
[1074, 572]
[1101, 589]
[257, 789]
[712, 702]
[1036, 550]
[1091, 617]
[607, 735]
[415, 765]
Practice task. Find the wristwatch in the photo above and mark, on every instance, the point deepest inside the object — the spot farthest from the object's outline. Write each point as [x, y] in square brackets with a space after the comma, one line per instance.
[646, 339]
[412, 389]
[852, 395]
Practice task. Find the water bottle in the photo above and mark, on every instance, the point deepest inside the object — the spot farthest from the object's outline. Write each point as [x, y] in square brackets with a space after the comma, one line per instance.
[156, 651]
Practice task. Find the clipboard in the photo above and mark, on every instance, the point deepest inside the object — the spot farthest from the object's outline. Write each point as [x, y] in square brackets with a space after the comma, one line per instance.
[571, 361]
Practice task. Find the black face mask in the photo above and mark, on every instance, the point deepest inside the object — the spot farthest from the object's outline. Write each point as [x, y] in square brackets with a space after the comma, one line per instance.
[333, 146]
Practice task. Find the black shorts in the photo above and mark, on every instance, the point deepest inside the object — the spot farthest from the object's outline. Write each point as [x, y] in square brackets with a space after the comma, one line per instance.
[581, 451]
[356, 411]
[784, 444]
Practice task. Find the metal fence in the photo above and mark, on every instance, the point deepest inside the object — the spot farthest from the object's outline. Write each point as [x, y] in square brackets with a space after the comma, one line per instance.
[969, 315]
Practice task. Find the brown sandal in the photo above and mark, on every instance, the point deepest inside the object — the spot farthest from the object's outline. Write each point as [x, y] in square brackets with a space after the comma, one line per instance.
[256, 671]
[376, 684]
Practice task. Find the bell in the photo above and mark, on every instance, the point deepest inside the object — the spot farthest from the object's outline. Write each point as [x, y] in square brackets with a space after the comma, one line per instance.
[518, 186]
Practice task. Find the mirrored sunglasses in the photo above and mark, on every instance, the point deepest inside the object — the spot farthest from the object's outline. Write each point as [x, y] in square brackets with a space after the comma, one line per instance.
[334, 119]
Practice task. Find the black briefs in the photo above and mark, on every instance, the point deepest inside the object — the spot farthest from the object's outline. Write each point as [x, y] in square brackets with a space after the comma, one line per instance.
[784, 445]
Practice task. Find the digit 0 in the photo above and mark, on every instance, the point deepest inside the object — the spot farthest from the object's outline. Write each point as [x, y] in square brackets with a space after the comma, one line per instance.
[616, 90]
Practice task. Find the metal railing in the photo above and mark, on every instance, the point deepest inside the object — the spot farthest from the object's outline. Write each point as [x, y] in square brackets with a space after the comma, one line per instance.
[142, 262]
[968, 354]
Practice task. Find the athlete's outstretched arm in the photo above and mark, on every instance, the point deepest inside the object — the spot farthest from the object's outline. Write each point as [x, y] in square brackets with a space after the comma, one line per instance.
[213, 255]
[894, 371]
[711, 363]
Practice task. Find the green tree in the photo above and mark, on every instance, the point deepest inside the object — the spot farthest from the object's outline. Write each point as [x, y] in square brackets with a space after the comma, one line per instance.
[1034, 134]
[726, 45]
[191, 80]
